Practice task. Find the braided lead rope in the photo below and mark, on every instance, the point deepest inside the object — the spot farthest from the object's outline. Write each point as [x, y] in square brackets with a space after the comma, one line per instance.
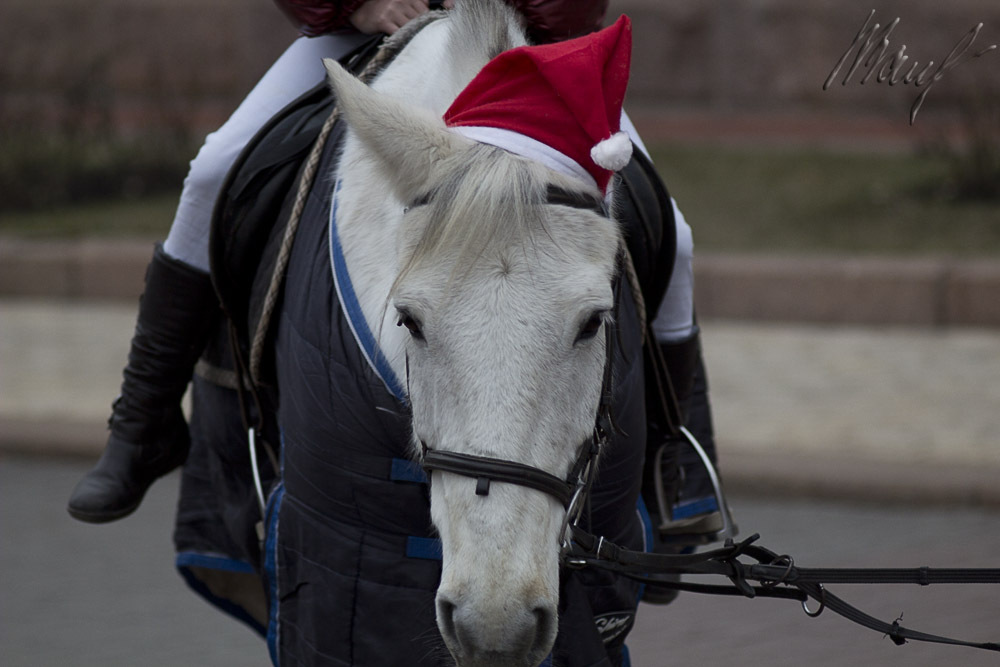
[384, 55]
[273, 288]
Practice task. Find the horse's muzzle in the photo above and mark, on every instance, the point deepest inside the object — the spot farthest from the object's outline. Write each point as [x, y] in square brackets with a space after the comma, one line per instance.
[511, 638]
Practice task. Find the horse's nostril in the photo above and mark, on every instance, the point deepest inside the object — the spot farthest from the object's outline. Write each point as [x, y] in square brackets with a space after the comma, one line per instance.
[543, 616]
[545, 626]
[446, 616]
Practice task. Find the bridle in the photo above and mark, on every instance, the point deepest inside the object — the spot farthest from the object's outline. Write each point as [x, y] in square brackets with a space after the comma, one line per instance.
[572, 491]
[777, 576]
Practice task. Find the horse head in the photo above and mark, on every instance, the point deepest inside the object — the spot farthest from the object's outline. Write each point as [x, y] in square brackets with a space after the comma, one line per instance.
[500, 295]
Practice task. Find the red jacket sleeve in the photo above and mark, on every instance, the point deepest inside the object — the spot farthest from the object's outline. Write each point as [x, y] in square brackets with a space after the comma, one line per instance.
[317, 17]
[556, 20]
[548, 20]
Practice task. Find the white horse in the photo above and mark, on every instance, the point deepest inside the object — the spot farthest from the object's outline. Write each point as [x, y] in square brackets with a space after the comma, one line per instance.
[500, 296]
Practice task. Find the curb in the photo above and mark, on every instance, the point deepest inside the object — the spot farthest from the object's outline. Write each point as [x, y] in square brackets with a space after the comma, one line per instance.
[57, 438]
[91, 269]
[819, 477]
[824, 289]
[849, 290]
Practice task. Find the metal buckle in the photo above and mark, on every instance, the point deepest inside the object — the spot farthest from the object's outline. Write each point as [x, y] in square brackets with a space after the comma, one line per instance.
[822, 604]
[572, 509]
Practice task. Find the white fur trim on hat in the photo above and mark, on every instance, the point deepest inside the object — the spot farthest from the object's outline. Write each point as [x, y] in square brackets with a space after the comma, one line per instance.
[525, 146]
[613, 153]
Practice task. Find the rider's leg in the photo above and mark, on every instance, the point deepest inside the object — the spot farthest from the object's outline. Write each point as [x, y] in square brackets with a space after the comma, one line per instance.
[680, 473]
[295, 72]
[149, 436]
[688, 492]
[678, 337]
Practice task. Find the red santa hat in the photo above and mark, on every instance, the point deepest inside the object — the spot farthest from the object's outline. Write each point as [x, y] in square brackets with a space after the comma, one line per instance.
[560, 104]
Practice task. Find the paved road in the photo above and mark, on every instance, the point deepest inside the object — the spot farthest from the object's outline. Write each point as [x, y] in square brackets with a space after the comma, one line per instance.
[699, 630]
[72, 594]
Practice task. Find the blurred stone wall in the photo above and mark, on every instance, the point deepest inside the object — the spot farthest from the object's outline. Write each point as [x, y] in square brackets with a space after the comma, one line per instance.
[135, 63]
[760, 55]
[132, 63]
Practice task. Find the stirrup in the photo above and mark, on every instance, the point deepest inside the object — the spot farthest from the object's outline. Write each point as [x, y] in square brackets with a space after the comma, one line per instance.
[716, 526]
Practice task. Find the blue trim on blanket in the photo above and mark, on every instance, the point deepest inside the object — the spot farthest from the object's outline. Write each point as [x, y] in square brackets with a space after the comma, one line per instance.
[404, 470]
[352, 308]
[271, 569]
[195, 559]
[647, 537]
[427, 548]
[188, 559]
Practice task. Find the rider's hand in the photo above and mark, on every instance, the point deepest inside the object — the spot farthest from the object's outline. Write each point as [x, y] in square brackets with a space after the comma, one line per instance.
[388, 16]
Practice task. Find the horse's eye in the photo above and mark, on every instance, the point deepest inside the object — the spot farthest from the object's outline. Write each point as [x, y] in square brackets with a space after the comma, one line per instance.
[590, 327]
[411, 323]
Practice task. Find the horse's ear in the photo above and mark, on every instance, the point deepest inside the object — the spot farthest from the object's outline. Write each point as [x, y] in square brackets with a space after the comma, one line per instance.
[410, 143]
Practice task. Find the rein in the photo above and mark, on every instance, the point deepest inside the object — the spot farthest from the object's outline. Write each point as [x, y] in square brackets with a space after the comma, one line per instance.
[777, 576]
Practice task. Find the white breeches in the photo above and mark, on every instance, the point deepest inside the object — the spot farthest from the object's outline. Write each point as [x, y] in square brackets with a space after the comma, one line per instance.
[296, 71]
[674, 320]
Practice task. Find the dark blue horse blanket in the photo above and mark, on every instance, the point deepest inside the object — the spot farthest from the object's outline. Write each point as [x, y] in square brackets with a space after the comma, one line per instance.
[344, 568]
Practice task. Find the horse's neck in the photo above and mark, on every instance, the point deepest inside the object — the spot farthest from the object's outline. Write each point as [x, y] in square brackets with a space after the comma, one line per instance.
[423, 73]
[368, 215]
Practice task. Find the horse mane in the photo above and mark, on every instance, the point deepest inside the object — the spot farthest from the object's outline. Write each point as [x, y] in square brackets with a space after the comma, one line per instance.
[482, 30]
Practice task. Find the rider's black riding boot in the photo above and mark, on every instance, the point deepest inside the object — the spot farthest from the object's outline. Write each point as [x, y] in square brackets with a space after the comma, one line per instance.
[149, 436]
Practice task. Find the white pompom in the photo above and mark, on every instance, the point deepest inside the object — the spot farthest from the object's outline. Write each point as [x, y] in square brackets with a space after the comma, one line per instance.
[613, 153]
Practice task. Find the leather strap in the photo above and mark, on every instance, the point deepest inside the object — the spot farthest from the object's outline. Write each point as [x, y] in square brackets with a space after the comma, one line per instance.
[553, 195]
[576, 199]
[778, 577]
[486, 469]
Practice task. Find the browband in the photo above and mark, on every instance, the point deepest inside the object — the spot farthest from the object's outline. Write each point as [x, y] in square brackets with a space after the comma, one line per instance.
[553, 195]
